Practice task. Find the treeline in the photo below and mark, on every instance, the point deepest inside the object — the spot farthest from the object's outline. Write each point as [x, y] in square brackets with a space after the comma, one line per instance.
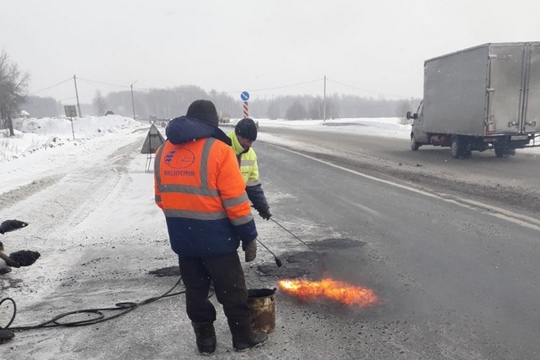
[173, 102]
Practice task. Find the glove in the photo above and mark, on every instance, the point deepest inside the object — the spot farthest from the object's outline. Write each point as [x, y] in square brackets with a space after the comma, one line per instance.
[250, 250]
[265, 214]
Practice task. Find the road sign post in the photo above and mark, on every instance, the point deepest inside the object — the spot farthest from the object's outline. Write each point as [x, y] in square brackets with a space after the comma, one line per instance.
[71, 112]
[245, 97]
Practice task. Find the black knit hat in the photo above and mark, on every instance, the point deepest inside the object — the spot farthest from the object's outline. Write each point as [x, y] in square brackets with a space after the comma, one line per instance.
[247, 129]
[205, 111]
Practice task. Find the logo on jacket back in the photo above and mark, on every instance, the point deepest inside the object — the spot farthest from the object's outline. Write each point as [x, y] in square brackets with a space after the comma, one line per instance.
[180, 158]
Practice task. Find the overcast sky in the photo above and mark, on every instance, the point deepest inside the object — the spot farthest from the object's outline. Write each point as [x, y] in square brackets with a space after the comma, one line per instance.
[267, 47]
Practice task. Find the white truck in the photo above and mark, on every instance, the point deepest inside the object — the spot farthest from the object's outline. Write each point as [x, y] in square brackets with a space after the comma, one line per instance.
[481, 98]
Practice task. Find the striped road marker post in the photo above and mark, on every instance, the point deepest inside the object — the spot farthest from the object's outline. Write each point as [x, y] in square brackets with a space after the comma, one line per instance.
[245, 97]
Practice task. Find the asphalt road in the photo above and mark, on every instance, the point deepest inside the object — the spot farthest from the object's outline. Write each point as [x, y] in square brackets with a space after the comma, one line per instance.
[456, 282]
[510, 182]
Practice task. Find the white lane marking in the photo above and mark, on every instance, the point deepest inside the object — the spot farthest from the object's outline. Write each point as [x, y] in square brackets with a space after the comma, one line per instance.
[497, 212]
[367, 210]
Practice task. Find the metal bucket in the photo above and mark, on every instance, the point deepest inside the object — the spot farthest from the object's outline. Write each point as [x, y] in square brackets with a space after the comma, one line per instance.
[263, 309]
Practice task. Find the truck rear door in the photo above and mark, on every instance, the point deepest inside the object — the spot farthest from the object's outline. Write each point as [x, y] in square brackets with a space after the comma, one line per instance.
[531, 122]
[504, 88]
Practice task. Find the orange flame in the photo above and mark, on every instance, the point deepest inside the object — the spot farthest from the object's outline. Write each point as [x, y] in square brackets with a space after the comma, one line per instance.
[339, 291]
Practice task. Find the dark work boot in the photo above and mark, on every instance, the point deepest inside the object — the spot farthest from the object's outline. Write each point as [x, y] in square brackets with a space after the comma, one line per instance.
[244, 337]
[205, 336]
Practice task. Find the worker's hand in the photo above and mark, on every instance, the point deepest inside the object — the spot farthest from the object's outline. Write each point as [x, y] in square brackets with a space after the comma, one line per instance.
[250, 250]
[265, 214]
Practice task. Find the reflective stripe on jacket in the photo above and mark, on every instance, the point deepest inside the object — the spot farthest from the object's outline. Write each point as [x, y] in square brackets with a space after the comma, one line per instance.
[247, 160]
[202, 194]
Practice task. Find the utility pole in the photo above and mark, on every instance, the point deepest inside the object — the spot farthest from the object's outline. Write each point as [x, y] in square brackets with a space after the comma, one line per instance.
[77, 94]
[133, 100]
[324, 100]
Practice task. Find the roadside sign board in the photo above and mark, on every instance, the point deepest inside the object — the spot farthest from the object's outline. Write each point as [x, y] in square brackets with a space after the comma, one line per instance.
[70, 110]
[244, 96]
[153, 141]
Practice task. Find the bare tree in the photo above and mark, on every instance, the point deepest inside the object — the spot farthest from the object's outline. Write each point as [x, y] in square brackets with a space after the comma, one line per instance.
[13, 86]
[402, 108]
[274, 110]
[296, 112]
[99, 103]
[315, 109]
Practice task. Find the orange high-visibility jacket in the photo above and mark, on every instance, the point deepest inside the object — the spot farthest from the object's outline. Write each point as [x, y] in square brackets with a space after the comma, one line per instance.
[201, 191]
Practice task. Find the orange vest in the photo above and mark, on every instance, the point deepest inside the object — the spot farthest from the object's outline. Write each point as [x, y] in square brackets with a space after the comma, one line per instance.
[202, 193]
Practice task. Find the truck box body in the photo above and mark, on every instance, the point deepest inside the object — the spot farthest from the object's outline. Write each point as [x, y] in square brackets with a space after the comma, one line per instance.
[488, 90]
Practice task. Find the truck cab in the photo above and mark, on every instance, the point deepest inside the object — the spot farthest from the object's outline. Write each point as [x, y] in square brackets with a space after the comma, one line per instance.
[418, 136]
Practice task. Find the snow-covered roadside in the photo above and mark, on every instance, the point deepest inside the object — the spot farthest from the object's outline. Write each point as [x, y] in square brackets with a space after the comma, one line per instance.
[32, 135]
[385, 127]
[99, 234]
[49, 150]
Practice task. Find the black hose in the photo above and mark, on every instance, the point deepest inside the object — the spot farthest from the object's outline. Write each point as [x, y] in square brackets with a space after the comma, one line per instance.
[14, 311]
[54, 322]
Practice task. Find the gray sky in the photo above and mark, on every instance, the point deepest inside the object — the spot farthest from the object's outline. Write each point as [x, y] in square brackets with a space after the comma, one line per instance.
[365, 48]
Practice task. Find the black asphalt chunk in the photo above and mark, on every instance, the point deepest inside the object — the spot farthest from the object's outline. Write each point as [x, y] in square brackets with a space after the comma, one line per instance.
[6, 335]
[25, 257]
[11, 225]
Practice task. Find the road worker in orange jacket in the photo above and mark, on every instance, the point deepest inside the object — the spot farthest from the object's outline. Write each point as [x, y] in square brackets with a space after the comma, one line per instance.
[201, 191]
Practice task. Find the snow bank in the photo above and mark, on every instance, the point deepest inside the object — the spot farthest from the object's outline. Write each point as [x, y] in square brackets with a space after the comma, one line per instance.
[35, 134]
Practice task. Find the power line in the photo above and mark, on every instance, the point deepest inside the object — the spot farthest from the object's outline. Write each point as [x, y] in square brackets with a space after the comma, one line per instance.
[50, 87]
[371, 91]
[277, 87]
[103, 83]
[230, 91]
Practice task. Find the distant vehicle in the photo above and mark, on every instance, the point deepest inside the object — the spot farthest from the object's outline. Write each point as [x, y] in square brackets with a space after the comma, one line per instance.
[109, 112]
[481, 98]
[224, 117]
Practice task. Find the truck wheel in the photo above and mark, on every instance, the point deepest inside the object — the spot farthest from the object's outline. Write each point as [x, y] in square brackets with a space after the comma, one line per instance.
[499, 151]
[455, 147]
[414, 144]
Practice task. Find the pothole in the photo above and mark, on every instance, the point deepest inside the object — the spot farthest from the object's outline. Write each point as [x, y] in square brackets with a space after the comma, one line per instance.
[310, 264]
[304, 264]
